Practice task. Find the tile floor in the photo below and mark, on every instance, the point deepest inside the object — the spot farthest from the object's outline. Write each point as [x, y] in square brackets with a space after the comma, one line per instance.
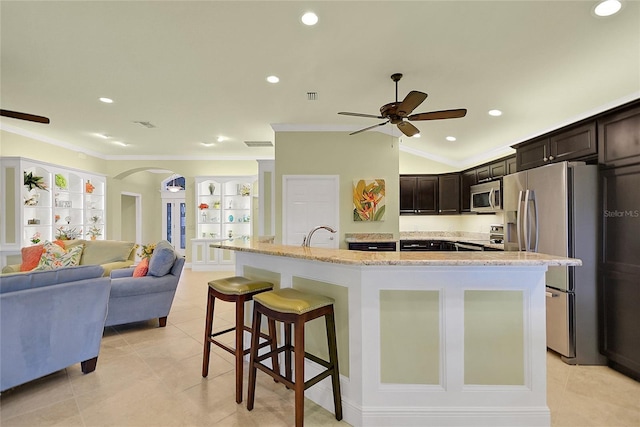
[150, 376]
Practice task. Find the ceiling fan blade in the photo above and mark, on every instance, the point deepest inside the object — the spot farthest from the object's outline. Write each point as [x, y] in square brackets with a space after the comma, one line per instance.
[437, 115]
[410, 102]
[344, 113]
[24, 116]
[370, 127]
[408, 129]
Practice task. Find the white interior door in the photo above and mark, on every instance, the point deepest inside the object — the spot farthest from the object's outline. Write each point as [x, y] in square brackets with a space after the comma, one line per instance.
[309, 201]
[174, 222]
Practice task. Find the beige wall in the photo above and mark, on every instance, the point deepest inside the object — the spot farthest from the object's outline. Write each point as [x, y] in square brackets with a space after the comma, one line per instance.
[411, 164]
[364, 156]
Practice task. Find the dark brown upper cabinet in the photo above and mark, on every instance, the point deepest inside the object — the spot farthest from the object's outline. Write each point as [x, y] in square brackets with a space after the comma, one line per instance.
[573, 143]
[449, 194]
[619, 138]
[418, 194]
[512, 166]
[467, 179]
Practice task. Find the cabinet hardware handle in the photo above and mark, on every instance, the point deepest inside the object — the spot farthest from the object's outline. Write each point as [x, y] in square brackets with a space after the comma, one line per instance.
[550, 157]
[550, 295]
[545, 159]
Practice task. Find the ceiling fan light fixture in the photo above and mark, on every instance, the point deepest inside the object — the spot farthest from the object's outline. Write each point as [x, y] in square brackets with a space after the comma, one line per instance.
[106, 100]
[495, 113]
[173, 186]
[309, 18]
[450, 138]
[417, 135]
[607, 7]
[273, 79]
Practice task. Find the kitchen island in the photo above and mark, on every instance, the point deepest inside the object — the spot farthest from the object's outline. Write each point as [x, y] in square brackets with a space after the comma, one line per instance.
[424, 338]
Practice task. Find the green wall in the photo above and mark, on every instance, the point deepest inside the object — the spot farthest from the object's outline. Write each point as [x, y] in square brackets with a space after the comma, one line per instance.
[364, 156]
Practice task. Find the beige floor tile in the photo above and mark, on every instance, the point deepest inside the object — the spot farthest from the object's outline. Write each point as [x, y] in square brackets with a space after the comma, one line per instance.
[62, 414]
[36, 394]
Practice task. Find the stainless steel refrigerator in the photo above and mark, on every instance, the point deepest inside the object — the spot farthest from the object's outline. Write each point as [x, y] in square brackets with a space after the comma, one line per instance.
[553, 210]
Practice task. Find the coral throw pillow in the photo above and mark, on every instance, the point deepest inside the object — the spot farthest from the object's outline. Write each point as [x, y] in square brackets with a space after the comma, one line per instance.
[54, 257]
[30, 257]
[142, 268]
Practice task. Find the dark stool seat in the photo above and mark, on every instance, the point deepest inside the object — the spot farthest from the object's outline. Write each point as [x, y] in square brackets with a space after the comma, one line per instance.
[293, 307]
[236, 289]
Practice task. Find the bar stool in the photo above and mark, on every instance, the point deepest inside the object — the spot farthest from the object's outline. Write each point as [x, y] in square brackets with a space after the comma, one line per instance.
[293, 307]
[236, 289]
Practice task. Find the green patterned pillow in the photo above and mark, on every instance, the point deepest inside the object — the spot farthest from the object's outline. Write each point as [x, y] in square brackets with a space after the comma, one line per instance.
[53, 256]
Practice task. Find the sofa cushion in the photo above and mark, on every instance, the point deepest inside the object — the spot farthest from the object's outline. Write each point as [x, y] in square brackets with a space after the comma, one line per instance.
[98, 252]
[141, 269]
[53, 256]
[36, 279]
[162, 259]
[31, 255]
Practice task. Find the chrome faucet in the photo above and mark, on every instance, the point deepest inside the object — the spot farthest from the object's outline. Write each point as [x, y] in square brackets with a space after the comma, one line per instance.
[306, 242]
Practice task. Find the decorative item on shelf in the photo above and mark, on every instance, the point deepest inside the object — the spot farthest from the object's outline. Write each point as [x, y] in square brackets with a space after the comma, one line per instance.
[32, 199]
[56, 218]
[245, 190]
[230, 218]
[33, 221]
[61, 181]
[146, 250]
[246, 218]
[94, 219]
[230, 204]
[66, 233]
[89, 187]
[212, 188]
[35, 239]
[204, 216]
[94, 232]
[68, 219]
[216, 204]
[202, 206]
[230, 233]
[31, 181]
[212, 235]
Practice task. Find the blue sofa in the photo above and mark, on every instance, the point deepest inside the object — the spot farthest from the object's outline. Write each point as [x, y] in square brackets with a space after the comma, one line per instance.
[134, 299]
[50, 320]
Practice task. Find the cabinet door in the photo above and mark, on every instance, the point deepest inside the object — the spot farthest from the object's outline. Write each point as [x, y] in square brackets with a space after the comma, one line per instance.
[467, 179]
[449, 194]
[574, 143]
[483, 173]
[427, 195]
[619, 138]
[498, 169]
[511, 165]
[533, 154]
[408, 187]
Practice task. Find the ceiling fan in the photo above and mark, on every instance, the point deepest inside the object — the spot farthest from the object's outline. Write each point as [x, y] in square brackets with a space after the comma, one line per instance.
[24, 116]
[396, 112]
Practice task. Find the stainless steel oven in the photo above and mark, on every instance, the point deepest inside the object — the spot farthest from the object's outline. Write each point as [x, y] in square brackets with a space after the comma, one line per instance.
[486, 197]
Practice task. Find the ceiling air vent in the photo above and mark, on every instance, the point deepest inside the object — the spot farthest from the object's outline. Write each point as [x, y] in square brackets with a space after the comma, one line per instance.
[258, 143]
[312, 96]
[148, 125]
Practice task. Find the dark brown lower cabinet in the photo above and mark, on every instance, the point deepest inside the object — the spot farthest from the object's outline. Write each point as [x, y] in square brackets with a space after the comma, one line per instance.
[619, 270]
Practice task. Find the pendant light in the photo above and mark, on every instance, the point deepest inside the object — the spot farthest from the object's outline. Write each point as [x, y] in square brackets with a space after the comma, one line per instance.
[173, 185]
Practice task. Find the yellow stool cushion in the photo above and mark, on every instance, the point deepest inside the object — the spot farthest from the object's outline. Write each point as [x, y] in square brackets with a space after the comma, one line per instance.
[239, 285]
[290, 300]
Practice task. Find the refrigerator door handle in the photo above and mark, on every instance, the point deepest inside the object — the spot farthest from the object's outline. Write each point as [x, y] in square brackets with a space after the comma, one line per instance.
[519, 220]
[525, 220]
[535, 221]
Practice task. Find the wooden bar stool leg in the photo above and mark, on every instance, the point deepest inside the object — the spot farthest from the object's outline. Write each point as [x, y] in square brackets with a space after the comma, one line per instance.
[239, 353]
[287, 353]
[255, 339]
[299, 371]
[207, 334]
[274, 345]
[333, 360]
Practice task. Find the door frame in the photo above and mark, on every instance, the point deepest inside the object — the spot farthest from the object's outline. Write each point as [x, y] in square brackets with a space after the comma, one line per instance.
[167, 197]
[138, 200]
[334, 179]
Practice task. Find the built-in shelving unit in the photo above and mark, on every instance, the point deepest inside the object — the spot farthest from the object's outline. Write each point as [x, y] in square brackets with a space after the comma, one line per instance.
[56, 201]
[223, 209]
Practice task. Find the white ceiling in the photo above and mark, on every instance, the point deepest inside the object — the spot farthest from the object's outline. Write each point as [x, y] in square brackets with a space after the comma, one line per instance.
[197, 70]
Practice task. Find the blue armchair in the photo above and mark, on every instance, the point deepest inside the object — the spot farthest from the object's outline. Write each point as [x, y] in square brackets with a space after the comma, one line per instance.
[50, 320]
[134, 299]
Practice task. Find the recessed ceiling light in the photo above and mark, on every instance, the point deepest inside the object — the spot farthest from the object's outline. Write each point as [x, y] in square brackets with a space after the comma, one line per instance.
[309, 18]
[221, 138]
[122, 144]
[607, 7]
[106, 100]
[495, 113]
[450, 138]
[208, 144]
[273, 79]
[417, 135]
[102, 135]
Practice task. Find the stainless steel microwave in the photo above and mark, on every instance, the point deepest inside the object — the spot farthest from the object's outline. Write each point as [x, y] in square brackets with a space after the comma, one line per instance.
[487, 197]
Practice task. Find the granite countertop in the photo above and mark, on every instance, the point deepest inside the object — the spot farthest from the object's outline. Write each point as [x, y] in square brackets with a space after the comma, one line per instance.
[343, 256]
